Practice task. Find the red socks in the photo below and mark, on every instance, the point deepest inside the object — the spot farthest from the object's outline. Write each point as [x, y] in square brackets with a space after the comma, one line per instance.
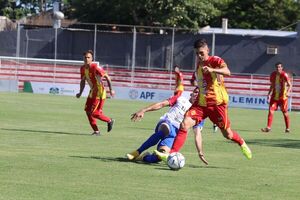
[287, 121]
[236, 138]
[179, 141]
[270, 119]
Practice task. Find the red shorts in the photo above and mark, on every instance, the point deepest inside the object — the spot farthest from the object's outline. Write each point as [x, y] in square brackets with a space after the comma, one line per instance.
[93, 104]
[283, 103]
[217, 114]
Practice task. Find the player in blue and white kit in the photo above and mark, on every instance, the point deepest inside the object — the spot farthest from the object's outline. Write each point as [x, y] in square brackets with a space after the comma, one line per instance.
[166, 129]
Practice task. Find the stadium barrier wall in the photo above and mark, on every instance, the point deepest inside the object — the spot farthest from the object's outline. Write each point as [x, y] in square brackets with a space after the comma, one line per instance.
[67, 72]
[9, 86]
[142, 94]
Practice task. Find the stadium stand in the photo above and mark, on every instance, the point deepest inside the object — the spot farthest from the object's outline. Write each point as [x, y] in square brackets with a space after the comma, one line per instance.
[158, 79]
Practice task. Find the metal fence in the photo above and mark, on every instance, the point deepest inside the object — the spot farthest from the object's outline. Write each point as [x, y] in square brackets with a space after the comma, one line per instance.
[138, 47]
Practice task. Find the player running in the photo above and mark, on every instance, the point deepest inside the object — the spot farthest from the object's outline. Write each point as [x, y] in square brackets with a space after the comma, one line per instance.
[212, 101]
[93, 74]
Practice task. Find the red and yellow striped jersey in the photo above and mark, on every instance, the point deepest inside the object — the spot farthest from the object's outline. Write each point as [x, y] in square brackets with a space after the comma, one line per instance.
[93, 75]
[278, 83]
[212, 90]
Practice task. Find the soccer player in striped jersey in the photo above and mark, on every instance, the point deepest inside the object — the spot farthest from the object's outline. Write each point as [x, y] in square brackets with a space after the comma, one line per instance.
[280, 87]
[194, 82]
[93, 74]
[211, 102]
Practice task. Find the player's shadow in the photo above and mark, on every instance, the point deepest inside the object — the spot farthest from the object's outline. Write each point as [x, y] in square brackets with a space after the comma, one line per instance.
[40, 131]
[139, 128]
[104, 159]
[158, 166]
[246, 130]
[283, 143]
[194, 167]
[114, 159]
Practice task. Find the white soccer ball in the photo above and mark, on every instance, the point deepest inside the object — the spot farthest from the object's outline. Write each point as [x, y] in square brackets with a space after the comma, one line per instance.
[176, 161]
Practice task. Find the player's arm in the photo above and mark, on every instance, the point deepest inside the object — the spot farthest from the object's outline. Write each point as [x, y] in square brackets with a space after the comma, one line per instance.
[82, 85]
[223, 69]
[108, 80]
[289, 87]
[156, 106]
[199, 146]
[270, 93]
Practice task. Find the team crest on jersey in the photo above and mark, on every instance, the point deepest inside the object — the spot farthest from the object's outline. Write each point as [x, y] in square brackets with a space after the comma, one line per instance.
[193, 112]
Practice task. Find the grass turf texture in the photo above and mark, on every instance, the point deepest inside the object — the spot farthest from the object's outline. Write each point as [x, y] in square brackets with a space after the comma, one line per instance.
[47, 152]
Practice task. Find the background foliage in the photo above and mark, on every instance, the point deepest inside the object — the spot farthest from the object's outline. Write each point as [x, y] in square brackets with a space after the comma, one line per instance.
[254, 14]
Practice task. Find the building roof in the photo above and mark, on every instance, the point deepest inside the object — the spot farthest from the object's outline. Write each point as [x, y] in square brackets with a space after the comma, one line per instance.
[250, 32]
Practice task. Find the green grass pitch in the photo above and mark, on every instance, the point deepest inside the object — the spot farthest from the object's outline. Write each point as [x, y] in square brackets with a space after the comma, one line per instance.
[47, 152]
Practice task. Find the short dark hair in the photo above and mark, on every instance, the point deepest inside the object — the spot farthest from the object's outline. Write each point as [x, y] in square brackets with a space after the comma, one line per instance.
[200, 43]
[278, 63]
[88, 51]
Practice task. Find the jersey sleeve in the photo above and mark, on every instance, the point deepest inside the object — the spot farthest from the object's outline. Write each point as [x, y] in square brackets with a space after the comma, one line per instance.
[218, 62]
[172, 100]
[286, 77]
[99, 70]
[180, 76]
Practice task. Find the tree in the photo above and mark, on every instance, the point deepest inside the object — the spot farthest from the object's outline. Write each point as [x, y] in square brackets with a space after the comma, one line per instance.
[249, 14]
[261, 14]
[180, 13]
[18, 9]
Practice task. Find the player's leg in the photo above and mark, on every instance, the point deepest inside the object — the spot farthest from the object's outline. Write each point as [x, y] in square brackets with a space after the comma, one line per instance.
[154, 157]
[191, 118]
[284, 109]
[98, 113]
[163, 147]
[162, 130]
[235, 137]
[272, 108]
[215, 128]
[199, 126]
[220, 117]
[90, 106]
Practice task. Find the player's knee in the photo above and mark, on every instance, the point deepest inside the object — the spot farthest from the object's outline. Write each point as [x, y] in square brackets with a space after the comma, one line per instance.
[164, 149]
[285, 113]
[184, 126]
[226, 133]
[164, 128]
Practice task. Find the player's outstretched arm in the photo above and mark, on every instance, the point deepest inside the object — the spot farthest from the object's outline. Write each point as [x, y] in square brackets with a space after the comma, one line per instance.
[156, 106]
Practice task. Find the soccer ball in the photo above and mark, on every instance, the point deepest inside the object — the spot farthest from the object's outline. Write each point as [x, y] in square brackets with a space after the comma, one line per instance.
[176, 161]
